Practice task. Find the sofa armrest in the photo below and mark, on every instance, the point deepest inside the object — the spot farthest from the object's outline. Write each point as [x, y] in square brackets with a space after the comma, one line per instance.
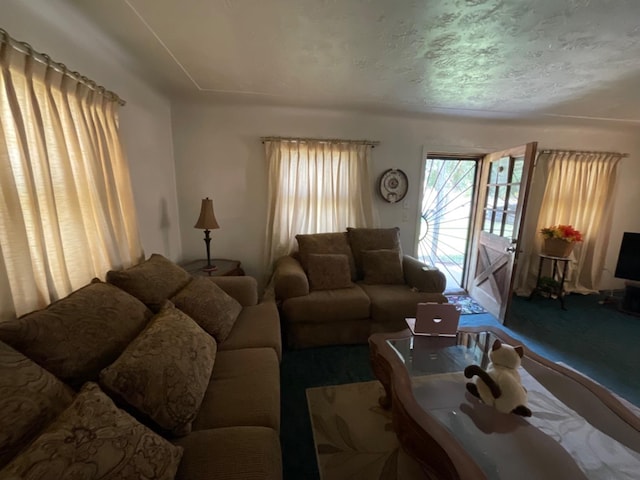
[244, 289]
[423, 277]
[289, 278]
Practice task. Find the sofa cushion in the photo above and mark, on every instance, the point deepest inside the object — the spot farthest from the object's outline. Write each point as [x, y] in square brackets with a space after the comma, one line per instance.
[164, 372]
[30, 398]
[322, 306]
[233, 453]
[152, 281]
[257, 326]
[210, 306]
[382, 267]
[328, 270]
[93, 439]
[244, 390]
[362, 239]
[335, 242]
[77, 336]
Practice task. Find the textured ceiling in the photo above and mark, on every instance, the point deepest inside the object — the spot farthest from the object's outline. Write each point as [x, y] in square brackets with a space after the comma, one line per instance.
[481, 58]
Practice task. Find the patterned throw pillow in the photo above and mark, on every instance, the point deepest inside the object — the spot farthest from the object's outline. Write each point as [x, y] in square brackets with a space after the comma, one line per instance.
[30, 397]
[362, 239]
[77, 336]
[337, 243]
[93, 439]
[165, 371]
[152, 281]
[328, 271]
[210, 306]
[382, 267]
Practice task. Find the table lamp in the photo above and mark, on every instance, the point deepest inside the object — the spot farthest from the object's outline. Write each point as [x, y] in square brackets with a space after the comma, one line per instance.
[207, 221]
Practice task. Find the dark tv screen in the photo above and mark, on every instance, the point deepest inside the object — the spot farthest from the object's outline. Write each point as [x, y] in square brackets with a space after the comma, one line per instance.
[628, 266]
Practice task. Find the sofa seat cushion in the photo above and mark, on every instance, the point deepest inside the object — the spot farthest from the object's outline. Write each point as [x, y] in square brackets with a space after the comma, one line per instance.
[164, 372]
[93, 439]
[152, 281]
[323, 306]
[391, 304]
[233, 453]
[318, 243]
[244, 390]
[30, 398]
[209, 305]
[77, 336]
[256, 327]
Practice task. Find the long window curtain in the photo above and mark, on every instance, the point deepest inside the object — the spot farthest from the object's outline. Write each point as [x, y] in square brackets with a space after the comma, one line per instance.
[66, 207]
[315, 187]
[579, 191]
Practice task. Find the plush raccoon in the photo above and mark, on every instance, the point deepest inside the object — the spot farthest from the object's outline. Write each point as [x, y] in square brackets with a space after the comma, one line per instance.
[500, 385]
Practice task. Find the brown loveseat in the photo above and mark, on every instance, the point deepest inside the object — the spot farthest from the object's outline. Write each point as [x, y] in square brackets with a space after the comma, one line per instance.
[115, 380]
[341, 287]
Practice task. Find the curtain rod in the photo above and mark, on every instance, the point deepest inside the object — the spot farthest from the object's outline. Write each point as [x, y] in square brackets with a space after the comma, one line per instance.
[371, 143]
[27, 49]
[582, 151]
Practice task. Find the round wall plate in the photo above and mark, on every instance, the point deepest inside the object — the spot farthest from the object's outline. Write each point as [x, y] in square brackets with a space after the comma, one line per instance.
[393, 185]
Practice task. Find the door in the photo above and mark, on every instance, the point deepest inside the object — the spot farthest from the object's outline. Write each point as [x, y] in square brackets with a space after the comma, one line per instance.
[502, 197]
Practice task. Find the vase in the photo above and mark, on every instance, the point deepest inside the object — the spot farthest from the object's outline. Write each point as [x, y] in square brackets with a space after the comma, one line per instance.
[556, 247]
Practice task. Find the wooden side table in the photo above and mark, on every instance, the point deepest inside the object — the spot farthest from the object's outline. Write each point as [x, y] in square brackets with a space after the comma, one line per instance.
[551, 285]
[224, 268]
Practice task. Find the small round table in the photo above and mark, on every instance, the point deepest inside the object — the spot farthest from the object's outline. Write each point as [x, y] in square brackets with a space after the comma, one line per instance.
[552, 286]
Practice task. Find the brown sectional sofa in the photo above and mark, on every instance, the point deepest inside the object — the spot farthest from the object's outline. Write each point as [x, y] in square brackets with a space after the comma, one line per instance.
[152, 374]
[341, 287]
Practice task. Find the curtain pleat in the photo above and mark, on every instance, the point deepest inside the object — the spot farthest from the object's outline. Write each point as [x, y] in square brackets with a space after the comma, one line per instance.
[66, 207]
[579, 192]
[315, 187]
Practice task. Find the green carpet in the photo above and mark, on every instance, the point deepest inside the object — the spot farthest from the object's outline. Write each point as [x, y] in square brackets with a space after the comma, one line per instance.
[595, 339]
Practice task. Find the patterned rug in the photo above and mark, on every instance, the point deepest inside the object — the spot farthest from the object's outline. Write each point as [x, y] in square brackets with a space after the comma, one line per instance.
[353, 435]
[468, 305]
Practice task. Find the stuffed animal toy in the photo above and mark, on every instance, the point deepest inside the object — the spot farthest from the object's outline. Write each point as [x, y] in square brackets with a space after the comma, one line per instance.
[500, 385]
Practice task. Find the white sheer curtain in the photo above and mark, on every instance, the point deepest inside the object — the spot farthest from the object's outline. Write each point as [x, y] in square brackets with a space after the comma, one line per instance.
[66, 207]
[315, 187]
[578, 191]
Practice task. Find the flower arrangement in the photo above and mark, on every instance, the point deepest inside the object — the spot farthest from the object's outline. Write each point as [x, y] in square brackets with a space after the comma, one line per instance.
[562, 232]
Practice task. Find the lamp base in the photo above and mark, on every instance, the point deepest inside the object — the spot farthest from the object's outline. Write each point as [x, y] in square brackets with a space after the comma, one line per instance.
[212, 268]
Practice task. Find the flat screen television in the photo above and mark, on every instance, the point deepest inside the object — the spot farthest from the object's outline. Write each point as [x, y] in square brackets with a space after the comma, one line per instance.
[628, 266]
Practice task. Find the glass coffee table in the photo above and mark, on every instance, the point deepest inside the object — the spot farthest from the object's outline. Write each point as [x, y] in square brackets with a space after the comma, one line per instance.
[578, 429]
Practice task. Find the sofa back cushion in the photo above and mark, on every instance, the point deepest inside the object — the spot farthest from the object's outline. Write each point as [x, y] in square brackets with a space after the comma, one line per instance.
[152, 281]
[362, 239]
[93, 439]
[210, 306]
[164, 372]
[318, 243]
[382, 267]
[77, 336]
[30, 397]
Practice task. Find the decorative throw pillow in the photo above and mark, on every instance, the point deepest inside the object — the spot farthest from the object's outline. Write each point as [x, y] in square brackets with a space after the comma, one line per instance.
[152, 281]
[362, 239]
[77, 336]
[325, 243]
[30, 397]
[93, 439]
[211, 307]
[382, 267]
[165, 371]
[327, 271]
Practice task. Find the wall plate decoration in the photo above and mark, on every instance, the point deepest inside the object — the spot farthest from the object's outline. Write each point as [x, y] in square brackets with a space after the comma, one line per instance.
[393, 185]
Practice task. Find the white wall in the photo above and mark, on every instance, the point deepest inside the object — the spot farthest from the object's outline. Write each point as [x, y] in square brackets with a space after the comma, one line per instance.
[55, 28]
[219, 154]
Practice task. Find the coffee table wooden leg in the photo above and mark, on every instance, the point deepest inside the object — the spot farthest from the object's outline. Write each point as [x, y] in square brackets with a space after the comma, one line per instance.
[382, 371]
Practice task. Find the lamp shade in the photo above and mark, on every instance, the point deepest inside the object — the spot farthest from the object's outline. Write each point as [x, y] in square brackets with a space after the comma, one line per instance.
[207, 219]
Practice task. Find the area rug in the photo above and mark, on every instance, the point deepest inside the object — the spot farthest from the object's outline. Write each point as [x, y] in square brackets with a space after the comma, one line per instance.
[354, 437]
[468, 305]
